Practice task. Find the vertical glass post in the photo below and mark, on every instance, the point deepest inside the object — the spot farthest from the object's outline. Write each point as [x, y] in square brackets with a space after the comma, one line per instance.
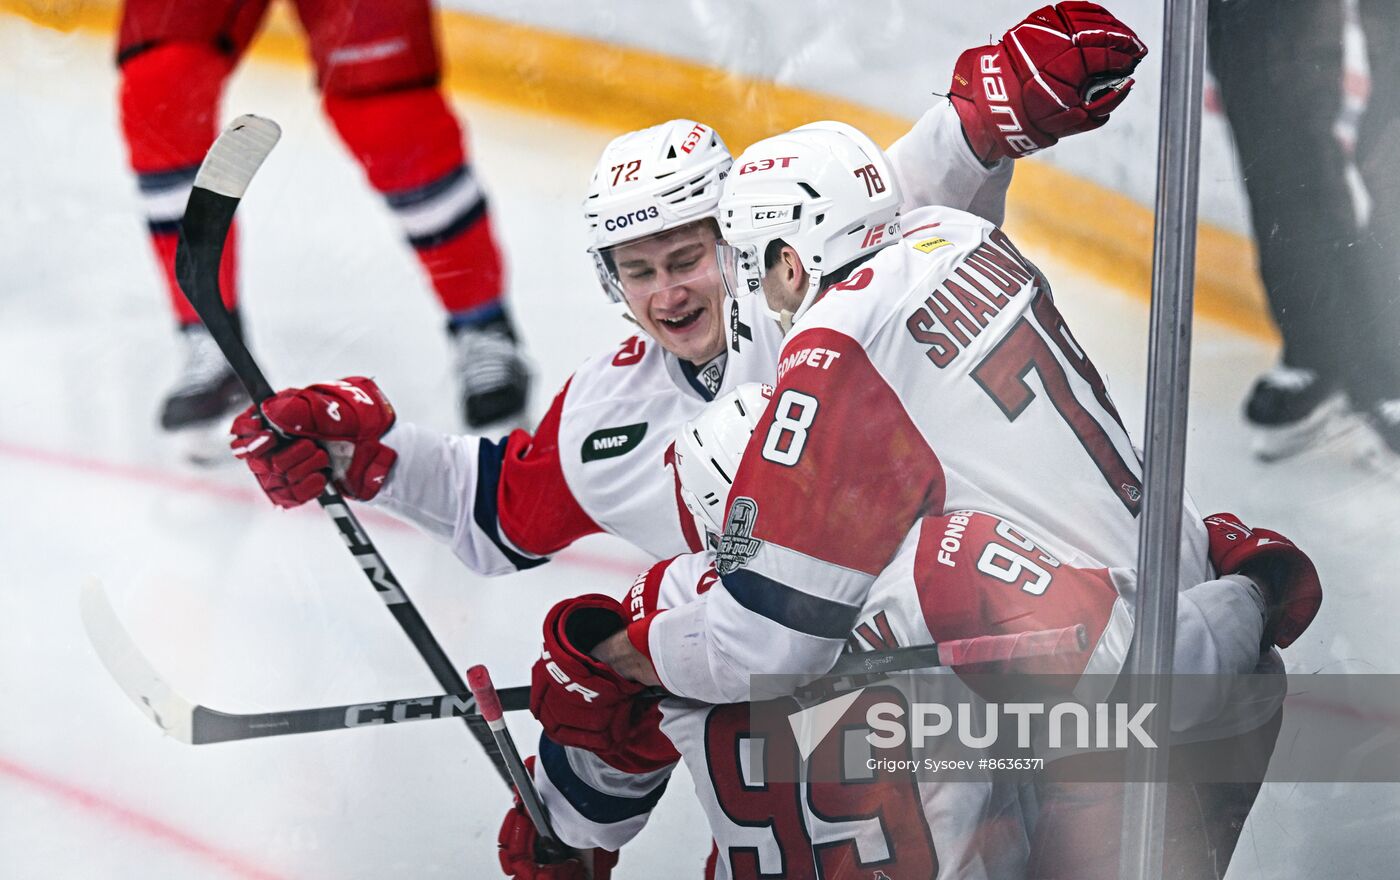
[1164, 466]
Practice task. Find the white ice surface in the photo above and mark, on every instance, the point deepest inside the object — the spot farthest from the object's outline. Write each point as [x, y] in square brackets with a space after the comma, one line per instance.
[249, 608]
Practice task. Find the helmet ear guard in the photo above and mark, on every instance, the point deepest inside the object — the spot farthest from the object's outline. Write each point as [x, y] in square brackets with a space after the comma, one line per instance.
[709, 448]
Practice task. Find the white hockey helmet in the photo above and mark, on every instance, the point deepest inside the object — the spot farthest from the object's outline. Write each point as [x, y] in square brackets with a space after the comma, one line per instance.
[648, 182]
[708, 450]
[825, 189]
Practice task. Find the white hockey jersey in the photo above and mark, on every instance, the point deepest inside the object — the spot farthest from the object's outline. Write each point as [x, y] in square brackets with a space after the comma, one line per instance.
[597, 462]
[763, 823]
[957, 576]
[939, 376]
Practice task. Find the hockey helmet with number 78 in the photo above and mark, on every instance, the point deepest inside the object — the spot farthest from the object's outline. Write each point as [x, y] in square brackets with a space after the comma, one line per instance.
[825, 189]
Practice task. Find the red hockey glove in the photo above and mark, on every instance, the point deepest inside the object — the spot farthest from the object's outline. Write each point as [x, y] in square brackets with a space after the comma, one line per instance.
[519, 858]
[1062, 71]
[1281, 568]
[584, 703]
[348, 417]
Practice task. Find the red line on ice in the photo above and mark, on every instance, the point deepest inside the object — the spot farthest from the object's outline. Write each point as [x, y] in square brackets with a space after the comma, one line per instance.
[133, 820]
[151, 476]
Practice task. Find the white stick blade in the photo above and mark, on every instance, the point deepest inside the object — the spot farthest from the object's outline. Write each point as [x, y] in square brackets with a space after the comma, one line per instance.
[237, 154]
[131, 671]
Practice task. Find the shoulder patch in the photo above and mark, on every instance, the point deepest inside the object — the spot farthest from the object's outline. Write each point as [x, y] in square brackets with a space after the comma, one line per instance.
[738, 545]
[929, 245]
[612, 442]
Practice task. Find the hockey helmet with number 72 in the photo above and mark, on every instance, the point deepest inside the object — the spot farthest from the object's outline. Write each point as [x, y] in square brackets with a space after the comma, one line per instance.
[649, 182]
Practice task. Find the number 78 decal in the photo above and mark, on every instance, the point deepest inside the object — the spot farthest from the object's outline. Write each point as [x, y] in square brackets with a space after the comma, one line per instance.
[1002, 374]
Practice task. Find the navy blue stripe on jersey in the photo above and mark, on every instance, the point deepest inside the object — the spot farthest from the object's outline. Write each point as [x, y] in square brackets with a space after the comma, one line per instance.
[460, 224]
[153, 182]
[592, 804]
[692, 375]
[163, 227]
[407, 198]
[489, 459]
[793, 609]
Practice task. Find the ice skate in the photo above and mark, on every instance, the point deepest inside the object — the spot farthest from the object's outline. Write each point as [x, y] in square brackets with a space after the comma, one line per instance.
[493, 375]
[1293, 409]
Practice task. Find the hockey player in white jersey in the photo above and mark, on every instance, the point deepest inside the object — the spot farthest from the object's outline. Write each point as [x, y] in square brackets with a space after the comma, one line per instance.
[957, 576]
[926, 370]
[597, 460]
[893, 398]
[763, 824]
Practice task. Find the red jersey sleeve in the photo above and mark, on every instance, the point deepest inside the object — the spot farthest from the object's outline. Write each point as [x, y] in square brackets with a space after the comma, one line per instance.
[525, 491]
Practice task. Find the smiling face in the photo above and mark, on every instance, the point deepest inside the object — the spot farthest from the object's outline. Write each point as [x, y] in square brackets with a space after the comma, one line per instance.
[671, 284]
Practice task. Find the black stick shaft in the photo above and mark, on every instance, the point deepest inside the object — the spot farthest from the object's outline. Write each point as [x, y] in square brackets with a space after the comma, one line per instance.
[203, 231]
[213, 726]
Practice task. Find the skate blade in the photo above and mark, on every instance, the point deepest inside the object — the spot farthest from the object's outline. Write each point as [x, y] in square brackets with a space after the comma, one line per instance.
[1331, 425]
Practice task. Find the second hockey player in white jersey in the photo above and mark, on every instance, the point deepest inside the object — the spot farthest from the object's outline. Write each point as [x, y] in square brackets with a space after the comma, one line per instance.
[958, 576]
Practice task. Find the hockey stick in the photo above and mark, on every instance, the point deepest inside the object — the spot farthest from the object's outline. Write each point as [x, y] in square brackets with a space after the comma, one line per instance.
[856, 669]
[195, 724]
[198, 725]
[549, 849]
[223, 177]
[964, 652]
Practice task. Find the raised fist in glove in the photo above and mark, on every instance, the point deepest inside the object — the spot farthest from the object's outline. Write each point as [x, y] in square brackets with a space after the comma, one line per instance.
[1062, 71]
[583, 702]
[1276, 564]
[521, 859]
[300, 437]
